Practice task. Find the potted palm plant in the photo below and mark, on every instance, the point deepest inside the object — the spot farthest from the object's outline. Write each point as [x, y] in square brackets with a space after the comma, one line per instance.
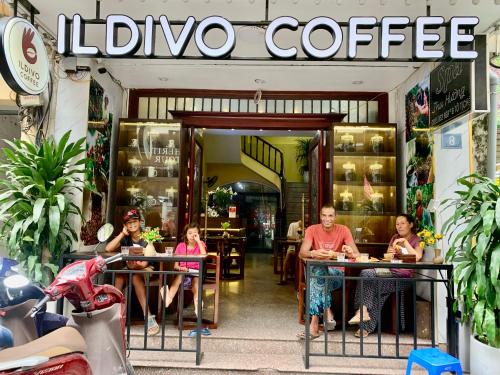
[474, 229]
[35, 205]
[302, 156]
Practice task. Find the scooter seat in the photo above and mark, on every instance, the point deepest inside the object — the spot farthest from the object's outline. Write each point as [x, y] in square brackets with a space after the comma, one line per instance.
[62, 341]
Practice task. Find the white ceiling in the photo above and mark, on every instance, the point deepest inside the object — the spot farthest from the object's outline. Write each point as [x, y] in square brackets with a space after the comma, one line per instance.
[278, 75]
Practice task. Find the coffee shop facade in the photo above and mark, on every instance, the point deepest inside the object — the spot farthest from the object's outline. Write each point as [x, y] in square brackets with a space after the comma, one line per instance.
[158, 107]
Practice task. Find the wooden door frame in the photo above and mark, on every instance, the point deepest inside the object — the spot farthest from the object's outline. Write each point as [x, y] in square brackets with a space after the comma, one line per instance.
[257, 121]
[382, 98]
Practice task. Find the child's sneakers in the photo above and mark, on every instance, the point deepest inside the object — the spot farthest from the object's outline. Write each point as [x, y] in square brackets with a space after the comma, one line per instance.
[153, 327]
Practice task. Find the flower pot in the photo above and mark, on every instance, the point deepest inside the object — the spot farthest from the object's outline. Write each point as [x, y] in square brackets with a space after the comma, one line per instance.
[483, 358]
[150, 250]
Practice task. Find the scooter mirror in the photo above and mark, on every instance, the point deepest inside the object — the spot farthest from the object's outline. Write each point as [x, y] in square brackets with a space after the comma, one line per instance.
[16, 281]
[105, 232]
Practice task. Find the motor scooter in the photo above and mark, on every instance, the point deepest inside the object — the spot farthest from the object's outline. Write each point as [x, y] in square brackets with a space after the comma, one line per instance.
[98, 318]
[17, 297]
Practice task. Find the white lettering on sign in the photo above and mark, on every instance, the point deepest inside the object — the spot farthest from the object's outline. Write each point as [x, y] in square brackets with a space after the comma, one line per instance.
[78, 47]
[455, 39]
[149, 36]
[280, 23]
[354, 38]
[446, 75]
[215, 22]
[178, 46]
[386, 38]
[113, 23]
[321, 23]
[422, 39]
[458, 43]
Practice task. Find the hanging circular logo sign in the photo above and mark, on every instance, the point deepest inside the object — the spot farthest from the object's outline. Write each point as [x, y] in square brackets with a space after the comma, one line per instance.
[24, 63]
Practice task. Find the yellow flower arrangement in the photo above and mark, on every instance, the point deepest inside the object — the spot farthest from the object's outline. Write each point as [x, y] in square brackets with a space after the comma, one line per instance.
[429, 237]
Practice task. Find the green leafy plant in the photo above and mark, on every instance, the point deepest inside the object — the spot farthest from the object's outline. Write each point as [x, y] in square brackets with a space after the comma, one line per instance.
[151, 235]
[302, 154]
[34, 202]
[475, 250]
[222, 197]
[225, 225]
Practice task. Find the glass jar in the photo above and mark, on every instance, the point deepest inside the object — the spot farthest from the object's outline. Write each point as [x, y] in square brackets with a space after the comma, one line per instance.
[377, 143]
[349, 171]
[375, 172]
[347, 142]
[346, 201]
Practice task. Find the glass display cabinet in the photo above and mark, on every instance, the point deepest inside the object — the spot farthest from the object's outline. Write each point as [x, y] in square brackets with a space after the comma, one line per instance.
[147, 173]
[364, 180]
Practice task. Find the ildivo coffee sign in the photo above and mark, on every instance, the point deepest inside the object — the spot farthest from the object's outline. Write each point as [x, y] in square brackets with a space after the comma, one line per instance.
[24, 63]
[458, 43]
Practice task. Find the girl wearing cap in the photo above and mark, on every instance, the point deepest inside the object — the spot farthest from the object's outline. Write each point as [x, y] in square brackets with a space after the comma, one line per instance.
[130, 236]
[192, 245]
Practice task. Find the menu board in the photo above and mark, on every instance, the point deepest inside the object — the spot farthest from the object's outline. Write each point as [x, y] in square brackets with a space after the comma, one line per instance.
[450, 92]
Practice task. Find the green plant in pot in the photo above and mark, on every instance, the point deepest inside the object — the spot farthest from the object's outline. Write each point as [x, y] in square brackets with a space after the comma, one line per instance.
[222, 197]
[302, 156]
[35, 205]
[474, 229]
[225, 226]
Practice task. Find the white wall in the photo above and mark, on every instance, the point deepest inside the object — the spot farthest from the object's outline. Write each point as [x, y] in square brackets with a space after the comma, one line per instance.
[70, 112]
[222, 149]
[450, 165]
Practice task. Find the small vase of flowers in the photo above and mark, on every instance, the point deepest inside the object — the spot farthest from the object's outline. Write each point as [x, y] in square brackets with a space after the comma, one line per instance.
[151, 235]
[429, 241]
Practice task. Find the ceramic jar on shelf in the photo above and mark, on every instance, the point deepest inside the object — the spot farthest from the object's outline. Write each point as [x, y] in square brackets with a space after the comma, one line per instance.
[347, 142]
[349, 171]
[377, 143]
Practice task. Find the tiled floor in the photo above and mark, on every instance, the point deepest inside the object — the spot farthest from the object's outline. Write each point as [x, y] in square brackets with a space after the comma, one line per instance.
[257, 307]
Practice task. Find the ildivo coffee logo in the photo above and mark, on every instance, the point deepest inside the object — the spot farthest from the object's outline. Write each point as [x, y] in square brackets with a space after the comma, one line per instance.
[29, 50]
[24, 63]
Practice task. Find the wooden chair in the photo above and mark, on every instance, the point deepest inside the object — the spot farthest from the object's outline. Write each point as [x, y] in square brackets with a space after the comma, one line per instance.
[211, 282]
[301, 293]
[225, 248]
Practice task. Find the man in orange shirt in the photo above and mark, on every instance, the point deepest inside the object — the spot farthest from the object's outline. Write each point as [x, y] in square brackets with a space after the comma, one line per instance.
[321, 241]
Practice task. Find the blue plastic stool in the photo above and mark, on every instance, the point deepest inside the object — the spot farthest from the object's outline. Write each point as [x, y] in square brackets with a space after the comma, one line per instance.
[434, 361]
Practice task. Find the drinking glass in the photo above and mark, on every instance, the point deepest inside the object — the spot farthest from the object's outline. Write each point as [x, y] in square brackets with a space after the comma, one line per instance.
[124, 250]
[364, 257]
[340, 257]
[169, 251]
